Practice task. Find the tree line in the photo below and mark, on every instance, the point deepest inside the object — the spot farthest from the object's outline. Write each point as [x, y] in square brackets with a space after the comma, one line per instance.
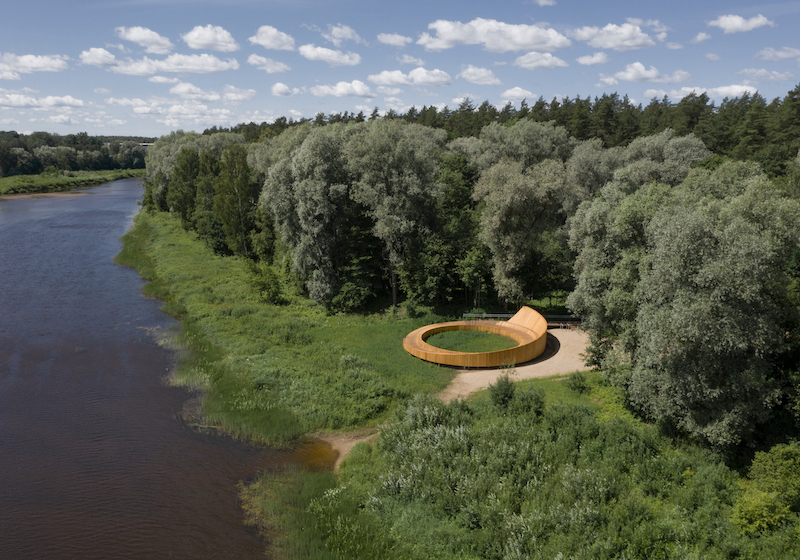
[30, 154]
[682, 260]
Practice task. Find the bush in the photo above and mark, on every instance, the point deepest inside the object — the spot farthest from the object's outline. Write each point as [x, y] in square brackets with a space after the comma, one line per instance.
[502, 391]
[577, 382]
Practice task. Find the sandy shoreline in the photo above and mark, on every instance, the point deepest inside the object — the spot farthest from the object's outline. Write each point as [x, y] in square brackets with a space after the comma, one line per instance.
[562, 356]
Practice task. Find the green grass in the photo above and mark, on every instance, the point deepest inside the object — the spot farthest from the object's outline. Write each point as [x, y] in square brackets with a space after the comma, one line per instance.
[65, 181]
[470, 341]
[274, 372]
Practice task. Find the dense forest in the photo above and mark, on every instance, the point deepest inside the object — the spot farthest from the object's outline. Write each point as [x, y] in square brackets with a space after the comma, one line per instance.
[673, 230]
[29, 154]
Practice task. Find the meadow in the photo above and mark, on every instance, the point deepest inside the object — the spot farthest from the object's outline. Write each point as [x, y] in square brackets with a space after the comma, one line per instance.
[63, 181]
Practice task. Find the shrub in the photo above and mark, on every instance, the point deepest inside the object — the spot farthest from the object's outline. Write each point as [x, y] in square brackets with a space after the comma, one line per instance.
[502, 391]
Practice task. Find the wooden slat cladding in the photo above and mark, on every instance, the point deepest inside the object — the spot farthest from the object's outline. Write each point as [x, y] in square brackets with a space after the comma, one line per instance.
[527, 327]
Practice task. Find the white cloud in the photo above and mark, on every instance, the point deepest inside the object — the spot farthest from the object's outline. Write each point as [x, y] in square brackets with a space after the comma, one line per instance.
[774, 55]
[636, 72]
[408, 59]
[20, 101]
[191, 91]
[282, 90]
[389, 91]
[356, 88]
[212, 37]
[98, 57]
[152, 41]
[480, 76]
[163, 80]
[493, 35]
[545, 2]
[762, 75]
[417, 77]
[534, 60]
[233, 95]
[270, 38]
[390, 78]
[338, 34]
[103, 91]
[713, 57]
[11, 65]
[737, 24]
[625, 37]
[596, 58]
[714, 93]
[436, 77]
[700, 37]
[125, 102]
[394, 39]
[333, 58]
[516, 94]
[674, 46]
[267, 64]
[189, 63]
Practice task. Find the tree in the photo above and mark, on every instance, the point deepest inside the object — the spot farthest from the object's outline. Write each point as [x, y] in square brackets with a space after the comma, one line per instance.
[182, 187]
[235, 200]
[395, 168]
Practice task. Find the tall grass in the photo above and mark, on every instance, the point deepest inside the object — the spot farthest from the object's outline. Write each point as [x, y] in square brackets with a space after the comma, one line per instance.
[274, 372]
[68, 180]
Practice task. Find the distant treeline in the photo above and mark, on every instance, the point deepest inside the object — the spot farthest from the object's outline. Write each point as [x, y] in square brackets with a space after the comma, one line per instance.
[747, 127]
[30, 154]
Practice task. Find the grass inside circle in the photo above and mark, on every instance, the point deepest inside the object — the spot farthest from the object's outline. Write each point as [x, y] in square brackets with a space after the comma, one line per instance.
[470, 341]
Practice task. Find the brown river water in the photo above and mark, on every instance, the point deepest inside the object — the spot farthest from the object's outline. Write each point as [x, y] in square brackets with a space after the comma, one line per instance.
[95, 459]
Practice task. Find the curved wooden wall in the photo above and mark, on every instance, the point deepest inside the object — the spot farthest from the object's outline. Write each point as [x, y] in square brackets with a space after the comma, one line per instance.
[527, 327]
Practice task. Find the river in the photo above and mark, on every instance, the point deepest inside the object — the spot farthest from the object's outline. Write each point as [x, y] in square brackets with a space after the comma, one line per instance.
[95, 461]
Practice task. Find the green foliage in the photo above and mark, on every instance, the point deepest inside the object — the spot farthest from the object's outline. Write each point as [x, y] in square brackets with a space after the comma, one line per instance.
[501, 392]
[577, 382]
[470, 341]
[48, 182]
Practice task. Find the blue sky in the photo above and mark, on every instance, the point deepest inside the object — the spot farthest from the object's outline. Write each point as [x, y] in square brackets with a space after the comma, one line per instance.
[146, 67]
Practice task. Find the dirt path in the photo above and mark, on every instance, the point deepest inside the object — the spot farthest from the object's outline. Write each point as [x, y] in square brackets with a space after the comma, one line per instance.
[562, 356]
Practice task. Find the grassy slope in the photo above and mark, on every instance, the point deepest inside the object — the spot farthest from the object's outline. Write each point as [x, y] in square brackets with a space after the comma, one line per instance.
[274, 372]
[25, 184]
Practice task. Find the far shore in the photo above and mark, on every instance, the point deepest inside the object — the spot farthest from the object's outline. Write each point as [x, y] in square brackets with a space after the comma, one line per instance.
[41, 195]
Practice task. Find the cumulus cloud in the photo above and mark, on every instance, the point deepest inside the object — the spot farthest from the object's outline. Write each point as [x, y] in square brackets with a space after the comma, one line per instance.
[700, 37]
[144, 37]
[493, 35]
[101, 90]
[267, 64]
[408, 59]
[21, 101]
[233, 95]
[190, 91]
[657, 26]
[126, 102]
[713, 57]
[625, 37]
[189, 63]
[333, 58]
[674, 46]
[714, 93]
[545, 2]
[516, 94]
[11, 65]
[394, 39]
[737, 24]
[282, 90]
[356, 88]
[596, 58]
[338, 34]
[98, 57]
[270, 38]
[762, 75]
[418, 77]
[389, 91]
[775, 55]
[480, 76]
[636, 72]
[162, 80]
[534, 60]
[212, 37]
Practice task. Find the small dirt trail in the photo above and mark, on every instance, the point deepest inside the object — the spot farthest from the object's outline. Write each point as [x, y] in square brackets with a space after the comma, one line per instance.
[562, 356]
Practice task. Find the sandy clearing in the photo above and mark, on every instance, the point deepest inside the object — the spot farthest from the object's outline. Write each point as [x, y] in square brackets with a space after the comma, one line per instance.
[562, 356]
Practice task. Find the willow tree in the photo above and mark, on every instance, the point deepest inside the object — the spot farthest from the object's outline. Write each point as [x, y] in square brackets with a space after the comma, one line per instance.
[395, 169]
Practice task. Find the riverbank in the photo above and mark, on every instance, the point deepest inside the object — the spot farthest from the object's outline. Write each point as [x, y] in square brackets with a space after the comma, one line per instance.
[18, 185]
